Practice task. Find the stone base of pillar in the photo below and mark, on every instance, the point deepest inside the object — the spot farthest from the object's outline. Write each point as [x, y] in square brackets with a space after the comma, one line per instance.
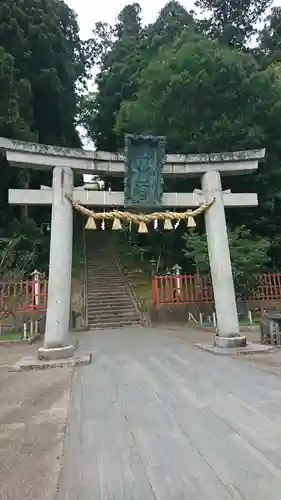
[45, 354]
[249, 348]
[33, 363]
[228, 342]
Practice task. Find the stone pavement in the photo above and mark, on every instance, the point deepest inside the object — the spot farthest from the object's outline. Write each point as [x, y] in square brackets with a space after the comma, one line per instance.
[154, 418]
[33, 413]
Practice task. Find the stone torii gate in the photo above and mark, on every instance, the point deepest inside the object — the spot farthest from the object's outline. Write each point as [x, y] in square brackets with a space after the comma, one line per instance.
[63, 161]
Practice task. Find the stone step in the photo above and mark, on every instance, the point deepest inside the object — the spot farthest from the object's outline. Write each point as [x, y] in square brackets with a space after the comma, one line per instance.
[96, 278]
[100, 266]
[109, 304]
[105, 261]
[97, 270]
[118, 308]
[108, 277]
[103, 269]
[103, 302]
[107, 270]
[110, 291]
[107, 287]
[103, 306]
[108, 274]
[96, 315]
[115, 324]
[94, 311]
[105, 264]
[106, 317]
[109, 298]
[113, 289]
[102, 319]
[114, 301]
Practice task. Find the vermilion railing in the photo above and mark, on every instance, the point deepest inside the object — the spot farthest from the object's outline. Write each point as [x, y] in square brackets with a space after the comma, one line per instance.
[198, 289]
[268, 287]
[24, 295]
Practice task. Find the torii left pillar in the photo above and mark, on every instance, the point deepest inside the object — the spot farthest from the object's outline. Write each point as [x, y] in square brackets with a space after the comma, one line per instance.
[57, 343]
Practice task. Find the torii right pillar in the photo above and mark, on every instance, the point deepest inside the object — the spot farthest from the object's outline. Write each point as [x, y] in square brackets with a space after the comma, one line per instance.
[228, 332]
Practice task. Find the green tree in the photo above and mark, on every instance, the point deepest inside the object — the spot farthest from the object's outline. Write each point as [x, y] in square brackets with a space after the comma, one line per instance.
[249, 255]
[43, 39]
[172, 20]
[43, 69]
[123, 51]
[15, 122]
[207, 98]
[15, 101]
[270, 36]
[115, 79]
[232, 22]
[100, 43]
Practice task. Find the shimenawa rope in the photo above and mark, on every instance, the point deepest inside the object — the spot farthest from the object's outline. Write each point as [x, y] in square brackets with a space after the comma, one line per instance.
[141, 218]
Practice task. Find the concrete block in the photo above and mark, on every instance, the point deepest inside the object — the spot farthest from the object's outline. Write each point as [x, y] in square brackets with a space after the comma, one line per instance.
[230, 342]
[33, 363]
[250, 348]
[55, 353]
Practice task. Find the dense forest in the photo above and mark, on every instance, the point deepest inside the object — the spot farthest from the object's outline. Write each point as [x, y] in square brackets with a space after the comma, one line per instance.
[209, 80]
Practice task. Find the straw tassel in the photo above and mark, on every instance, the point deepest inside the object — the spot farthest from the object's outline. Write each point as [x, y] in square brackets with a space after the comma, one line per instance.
[168, 225]
[191, 222]
[91, 223]
[103, 221]
[116, 226]
[142, 228]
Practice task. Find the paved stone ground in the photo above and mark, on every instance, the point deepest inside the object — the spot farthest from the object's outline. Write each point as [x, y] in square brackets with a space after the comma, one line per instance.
[267, 362]
[154, 418]
[33, 413]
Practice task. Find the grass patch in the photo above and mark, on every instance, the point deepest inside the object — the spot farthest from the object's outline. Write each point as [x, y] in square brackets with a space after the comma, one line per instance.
[10, 336]
[139, 276]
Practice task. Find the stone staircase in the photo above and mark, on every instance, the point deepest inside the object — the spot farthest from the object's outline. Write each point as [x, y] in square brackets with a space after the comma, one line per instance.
[110, 300]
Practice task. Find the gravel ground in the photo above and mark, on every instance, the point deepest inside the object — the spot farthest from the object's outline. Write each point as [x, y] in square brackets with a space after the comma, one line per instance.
[33, 414]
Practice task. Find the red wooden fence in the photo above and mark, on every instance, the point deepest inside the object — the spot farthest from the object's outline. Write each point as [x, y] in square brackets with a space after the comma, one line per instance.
[165, 289]
[198, 289]
[28, 295]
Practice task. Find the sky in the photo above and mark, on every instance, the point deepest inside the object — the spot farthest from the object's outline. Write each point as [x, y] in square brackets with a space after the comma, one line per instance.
[89, 11]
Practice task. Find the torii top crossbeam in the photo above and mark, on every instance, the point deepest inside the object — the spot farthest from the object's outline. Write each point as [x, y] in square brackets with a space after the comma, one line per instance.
[39, 156]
